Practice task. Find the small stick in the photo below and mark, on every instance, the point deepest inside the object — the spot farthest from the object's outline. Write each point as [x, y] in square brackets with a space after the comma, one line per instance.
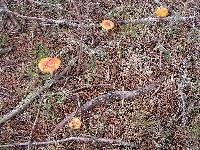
[160, 60]
[33, 128]
[183, 97]
[155, 91]
[58, 6]
[91, 139]
[156, 19]
[47, 20]
[34, 124]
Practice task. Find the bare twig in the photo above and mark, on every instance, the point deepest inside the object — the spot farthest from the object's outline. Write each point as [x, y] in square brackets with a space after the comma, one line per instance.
[34, 124]
[79, 24]
[102, 99]
[48, 20]
[30, 98]
[156, 19]
[33, 128]
[57, 6]
[75, 91]
[79, 53]
[183, 97]
[91, 139]
[155, 91]
[183, 104]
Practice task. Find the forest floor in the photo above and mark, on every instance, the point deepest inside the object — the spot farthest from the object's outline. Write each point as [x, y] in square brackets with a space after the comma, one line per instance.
[163, 53]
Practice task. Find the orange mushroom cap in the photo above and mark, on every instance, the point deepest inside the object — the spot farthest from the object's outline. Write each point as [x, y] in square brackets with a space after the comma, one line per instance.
[107, 24]
[161, 12]
[49, 65]
[75, 123]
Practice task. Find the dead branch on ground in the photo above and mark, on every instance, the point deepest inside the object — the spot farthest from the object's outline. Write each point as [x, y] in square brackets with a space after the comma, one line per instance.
[79, 24]
[47, 20]
[156, 19]
[30, 98]
[102, 99]
[39, 3]
[91, 139]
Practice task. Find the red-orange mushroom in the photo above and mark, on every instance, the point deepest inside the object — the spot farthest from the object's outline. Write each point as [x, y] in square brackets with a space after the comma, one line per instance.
[49, 65]
[107, 24]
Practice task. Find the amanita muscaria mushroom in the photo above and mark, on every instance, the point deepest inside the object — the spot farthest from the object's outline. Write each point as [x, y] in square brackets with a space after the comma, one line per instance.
[49, 65]
[75, 123]
[161, 12]
[107, 24]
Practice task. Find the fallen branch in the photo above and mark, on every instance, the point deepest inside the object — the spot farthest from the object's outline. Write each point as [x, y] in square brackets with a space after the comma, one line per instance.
[58, 6]
[48, 20]
[78, 139]
[79, 24]
[156, 19]
[30, 98]
[102, 99]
